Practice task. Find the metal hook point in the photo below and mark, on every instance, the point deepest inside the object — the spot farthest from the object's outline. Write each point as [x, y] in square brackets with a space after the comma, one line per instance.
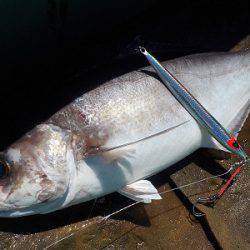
[204, 200]
[196, 213]
[208, 200]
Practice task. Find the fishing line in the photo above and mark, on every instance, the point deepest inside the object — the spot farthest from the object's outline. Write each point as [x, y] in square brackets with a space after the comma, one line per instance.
[211, 200]
[236, 164]
[240, 163]
[170, 190]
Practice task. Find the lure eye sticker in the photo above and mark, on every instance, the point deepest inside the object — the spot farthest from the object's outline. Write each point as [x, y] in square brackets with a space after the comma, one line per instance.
[233, 143]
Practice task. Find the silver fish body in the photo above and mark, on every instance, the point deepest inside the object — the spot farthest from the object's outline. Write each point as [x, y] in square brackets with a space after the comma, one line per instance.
[77, 155]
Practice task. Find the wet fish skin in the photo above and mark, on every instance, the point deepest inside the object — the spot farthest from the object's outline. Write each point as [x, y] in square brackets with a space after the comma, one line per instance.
[60, 162]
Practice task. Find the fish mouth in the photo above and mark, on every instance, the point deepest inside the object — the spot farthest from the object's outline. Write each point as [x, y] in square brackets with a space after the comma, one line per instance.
[42, 201]
[17, 212]
[42, 195]
[40, 208]
[21, 195]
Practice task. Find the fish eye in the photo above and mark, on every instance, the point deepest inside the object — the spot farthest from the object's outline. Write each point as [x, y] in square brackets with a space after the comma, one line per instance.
[4, 169]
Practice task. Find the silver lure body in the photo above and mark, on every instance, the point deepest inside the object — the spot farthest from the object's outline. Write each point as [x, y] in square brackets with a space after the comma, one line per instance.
[61, 162]
[195, 108]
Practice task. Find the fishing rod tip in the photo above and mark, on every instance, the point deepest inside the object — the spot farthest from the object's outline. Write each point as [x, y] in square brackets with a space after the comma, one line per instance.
[142, 50]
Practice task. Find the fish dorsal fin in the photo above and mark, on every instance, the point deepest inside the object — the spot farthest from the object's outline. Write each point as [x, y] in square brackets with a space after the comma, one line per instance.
[239, 119]
[142, 190]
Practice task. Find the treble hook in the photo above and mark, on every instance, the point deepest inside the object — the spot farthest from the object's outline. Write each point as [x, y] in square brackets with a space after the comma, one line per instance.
[211, 200]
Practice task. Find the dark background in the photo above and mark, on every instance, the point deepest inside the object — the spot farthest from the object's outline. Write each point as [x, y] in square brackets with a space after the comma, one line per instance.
[51, 54]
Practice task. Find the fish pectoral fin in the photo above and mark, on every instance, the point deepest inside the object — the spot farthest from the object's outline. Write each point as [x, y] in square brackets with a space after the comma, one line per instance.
[116, 155]
[239, 119]
[142, 190]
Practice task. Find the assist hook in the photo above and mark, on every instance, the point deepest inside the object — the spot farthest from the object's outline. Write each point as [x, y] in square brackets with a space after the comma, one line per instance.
[211, 200]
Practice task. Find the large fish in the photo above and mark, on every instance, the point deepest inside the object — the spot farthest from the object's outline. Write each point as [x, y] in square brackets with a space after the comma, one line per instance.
[113, 137]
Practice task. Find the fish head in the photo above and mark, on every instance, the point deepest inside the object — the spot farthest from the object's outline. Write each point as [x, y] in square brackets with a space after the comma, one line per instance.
[34, 171]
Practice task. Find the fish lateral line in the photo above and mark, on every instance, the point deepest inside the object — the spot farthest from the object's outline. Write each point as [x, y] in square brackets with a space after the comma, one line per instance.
[100, 150]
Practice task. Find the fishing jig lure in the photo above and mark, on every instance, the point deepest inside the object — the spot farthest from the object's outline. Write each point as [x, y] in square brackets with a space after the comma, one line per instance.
[202, 116]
